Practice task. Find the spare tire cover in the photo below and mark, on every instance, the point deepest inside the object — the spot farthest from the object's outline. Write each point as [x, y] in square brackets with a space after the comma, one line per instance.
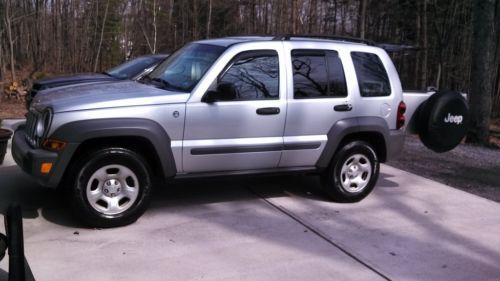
[442, 121]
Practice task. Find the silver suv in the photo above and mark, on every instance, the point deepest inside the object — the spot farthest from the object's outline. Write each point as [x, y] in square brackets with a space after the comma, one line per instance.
[231, 106]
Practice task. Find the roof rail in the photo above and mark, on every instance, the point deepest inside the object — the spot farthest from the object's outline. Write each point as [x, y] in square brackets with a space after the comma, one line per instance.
[393, 48]
[287, 37]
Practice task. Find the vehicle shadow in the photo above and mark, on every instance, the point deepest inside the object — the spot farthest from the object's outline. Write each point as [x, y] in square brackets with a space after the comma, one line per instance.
[35, 200]
[17, 187]
[206, 191]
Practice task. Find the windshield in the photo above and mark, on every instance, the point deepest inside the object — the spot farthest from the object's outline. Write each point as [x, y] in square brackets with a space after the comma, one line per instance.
[184, 69]
[133, 67]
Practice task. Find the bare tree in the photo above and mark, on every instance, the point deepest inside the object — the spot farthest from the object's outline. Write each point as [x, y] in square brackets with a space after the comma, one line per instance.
[102, 35]
[8, 19]
[209, 18]
[483, 53]
[362, 18]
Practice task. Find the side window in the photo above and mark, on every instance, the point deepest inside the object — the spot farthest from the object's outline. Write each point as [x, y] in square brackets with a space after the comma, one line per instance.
[372, 77]
[252, 75]
[317, 74]
[336, 74]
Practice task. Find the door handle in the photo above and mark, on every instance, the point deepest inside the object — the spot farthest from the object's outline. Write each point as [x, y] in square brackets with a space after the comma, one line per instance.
[268, 110]
[343, 107]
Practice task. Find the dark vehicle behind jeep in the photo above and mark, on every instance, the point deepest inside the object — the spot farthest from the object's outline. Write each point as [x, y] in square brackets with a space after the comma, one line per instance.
[131, 70]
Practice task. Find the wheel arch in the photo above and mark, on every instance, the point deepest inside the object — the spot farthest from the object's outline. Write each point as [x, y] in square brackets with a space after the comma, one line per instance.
[373, 130]
[140, 135]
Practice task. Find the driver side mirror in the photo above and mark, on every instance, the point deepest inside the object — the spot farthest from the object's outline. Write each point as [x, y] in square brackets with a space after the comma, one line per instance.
[224, 92]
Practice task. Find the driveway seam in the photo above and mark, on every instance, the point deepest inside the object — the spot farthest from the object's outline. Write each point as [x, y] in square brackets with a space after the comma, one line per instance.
[318, 233]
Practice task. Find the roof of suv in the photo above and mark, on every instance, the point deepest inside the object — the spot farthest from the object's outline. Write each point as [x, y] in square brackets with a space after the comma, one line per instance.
[232, 40]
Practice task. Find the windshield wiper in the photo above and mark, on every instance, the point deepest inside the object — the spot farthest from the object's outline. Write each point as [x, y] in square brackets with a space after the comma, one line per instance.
[163, 83]
[107, 73]
[160, 83]
[146, 79]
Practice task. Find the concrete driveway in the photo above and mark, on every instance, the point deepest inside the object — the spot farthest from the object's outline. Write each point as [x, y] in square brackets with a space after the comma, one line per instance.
[280, 228]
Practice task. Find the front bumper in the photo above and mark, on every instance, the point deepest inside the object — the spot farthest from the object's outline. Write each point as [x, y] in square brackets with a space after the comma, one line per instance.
[30, 160]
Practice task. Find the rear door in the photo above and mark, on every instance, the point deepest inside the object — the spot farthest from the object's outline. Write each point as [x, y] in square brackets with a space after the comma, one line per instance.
[318, 97]
[243, 129]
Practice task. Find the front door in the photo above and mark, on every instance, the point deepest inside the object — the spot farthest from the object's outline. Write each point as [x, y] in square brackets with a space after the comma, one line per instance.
[239, 122]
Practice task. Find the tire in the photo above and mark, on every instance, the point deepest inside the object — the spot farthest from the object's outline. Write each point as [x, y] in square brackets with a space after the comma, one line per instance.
[111, 187]
[443, 121]
[352, 174]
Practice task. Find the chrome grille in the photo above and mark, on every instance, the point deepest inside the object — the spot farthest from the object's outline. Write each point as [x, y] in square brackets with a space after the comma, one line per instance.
[31, 120]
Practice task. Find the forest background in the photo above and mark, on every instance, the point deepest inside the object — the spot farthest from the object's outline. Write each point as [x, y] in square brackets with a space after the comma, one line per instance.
[455, 43]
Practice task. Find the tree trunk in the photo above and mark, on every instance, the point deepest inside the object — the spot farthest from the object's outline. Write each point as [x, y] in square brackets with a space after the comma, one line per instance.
[312, 16]
[483, 53]
[425, 47]
[170, 22]
[209, 18]
[8, 25]
[102, 36]
[294, 17]
[155, 31]
[362, 18]
[2, 64]
[195, 20]
[496, 97]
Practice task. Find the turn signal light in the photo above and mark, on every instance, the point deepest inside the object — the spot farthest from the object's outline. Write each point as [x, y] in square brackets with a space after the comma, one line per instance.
[54, 145]
[45, 167]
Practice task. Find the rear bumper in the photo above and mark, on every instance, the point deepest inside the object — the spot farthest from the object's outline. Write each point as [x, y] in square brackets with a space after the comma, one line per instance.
[30, 160]
[395, 143]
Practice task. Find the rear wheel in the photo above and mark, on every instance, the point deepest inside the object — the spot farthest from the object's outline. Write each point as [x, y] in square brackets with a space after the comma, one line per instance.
[111, 187]
[352, 174]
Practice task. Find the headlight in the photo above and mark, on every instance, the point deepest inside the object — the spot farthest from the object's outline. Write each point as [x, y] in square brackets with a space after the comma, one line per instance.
[43, 123]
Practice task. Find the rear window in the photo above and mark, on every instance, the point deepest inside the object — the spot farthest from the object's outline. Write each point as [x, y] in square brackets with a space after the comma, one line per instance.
[372, 76]
[317, 74]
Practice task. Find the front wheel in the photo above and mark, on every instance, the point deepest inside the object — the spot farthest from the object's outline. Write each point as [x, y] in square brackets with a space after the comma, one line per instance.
[352, 174]
[111, 187]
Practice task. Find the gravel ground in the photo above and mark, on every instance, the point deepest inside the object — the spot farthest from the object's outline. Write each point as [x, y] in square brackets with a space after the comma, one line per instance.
[468, 167]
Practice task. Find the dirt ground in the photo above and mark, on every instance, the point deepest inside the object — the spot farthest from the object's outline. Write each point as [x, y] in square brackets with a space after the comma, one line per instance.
[11, 108]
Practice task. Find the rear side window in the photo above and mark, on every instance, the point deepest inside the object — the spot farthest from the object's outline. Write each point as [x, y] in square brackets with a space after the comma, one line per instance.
[372, 77]
[317, 74]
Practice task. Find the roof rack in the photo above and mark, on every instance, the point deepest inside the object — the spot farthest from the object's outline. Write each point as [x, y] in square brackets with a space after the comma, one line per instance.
[393, 48]
[287, 37]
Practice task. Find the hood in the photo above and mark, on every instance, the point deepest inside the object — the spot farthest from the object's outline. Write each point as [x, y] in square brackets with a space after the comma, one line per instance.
[71, 79]
[105, 95]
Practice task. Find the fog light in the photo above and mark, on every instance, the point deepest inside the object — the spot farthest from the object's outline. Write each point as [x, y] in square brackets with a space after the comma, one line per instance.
[54, 145]
[46, 167]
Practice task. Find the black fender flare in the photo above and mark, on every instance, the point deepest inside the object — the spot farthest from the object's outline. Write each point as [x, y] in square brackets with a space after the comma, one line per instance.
[345, 127]
[78, 132]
